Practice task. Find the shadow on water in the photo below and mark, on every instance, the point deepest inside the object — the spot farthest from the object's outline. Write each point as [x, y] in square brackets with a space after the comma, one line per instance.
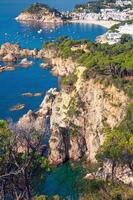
[61, 181]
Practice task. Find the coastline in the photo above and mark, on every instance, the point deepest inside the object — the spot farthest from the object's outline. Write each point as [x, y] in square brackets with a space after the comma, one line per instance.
[106, 24]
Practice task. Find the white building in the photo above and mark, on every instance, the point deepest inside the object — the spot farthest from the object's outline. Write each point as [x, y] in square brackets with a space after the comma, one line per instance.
[113, 14]
[113, 38]
[123, 3]
[126, 29]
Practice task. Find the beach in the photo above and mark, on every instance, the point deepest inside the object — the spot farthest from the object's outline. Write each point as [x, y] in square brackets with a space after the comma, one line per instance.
[106, 24]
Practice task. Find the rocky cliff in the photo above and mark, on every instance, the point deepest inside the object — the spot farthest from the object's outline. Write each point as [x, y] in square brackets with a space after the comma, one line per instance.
[121, 173]
[78, 118]
[79, 113]
[40, 13]
[59, 67]
[39, 119]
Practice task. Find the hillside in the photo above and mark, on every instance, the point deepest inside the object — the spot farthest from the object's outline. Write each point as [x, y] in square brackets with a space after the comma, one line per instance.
[96, 6]
[93, 107]
[40, 13]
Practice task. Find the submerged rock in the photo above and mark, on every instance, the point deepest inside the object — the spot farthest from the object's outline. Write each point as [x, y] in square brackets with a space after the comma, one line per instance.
[44, 65]
[7, 68]
[9, 58]
[38, 94]
[28, 94]
[26, 63]
[17, 107]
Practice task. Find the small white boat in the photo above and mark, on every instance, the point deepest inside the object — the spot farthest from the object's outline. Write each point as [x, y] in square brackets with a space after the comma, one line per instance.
[40, 31]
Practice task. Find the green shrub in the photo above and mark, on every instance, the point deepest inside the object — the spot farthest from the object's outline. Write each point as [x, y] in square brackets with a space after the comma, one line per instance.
[69, 81]
[42, 197]
[113, 63]
[118, 143]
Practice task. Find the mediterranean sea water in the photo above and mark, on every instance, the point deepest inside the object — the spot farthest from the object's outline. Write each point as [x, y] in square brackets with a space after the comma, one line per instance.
[34, 79]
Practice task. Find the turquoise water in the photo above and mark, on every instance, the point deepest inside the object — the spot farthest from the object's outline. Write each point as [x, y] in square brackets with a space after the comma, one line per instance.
[34, 79]
[65, 181]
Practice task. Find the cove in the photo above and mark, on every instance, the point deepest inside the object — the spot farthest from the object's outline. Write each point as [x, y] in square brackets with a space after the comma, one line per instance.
[65, 181]
[34, 79]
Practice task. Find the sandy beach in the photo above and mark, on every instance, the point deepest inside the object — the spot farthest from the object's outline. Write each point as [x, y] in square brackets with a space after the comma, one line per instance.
[106, 24]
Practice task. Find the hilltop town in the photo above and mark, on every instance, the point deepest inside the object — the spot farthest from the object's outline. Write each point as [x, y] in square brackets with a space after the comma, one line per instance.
[116, 10]
[116, 15]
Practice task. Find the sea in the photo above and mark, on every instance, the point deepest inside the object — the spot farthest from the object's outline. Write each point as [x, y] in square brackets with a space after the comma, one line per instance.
[34, 79]
[61, 181]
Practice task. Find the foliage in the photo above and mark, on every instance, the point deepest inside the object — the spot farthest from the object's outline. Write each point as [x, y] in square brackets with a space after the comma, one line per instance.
[75, 106]
[68, 82]
[42, 197]
[107, 191]
[112, 62]
[41, 8]
[74, 130]
[20, 161]
[118, 144]
[126, 38]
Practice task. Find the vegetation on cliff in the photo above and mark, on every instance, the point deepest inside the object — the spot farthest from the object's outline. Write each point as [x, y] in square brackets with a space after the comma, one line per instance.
[118, 144]
[21, 162]
[40, 8]
[110, 63]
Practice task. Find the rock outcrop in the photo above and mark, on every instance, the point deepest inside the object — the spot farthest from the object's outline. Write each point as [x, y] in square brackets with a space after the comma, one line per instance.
[121, 173]
[40, 13]
[25, 62]
[77, 117]
[9, 58]
[40, 119]
[85, 112]
[60, 67]
[12, 52]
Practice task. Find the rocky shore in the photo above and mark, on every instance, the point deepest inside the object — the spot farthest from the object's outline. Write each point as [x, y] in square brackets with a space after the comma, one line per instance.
[76, 118]
[28, 17]
[12, 52]
[39, 119]
[40, 13]
[12, 55]
[15, 50]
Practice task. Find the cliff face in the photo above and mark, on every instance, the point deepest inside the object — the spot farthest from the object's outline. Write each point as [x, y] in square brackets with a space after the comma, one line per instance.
[78, 118]
[49, 18]
[74, 119]
[40, 119]
[121, 173]
[60, 67]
